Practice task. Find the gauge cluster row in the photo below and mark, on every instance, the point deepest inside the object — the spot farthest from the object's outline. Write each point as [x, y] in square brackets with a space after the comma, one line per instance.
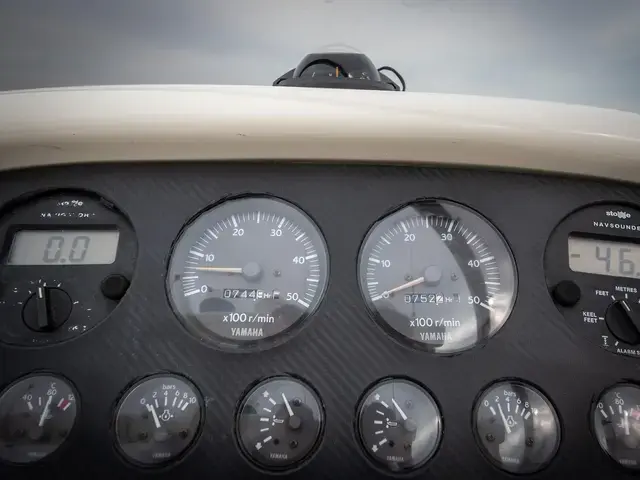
[280, 422]
[245, 273]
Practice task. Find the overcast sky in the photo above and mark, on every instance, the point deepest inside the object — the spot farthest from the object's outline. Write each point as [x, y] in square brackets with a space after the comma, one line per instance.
[573, 51]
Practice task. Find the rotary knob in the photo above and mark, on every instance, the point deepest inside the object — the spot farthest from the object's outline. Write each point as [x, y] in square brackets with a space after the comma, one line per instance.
[47, 309]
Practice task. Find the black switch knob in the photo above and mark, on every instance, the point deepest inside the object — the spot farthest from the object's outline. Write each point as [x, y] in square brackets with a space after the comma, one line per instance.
[566, 293]
[47, 309]
[623, 322]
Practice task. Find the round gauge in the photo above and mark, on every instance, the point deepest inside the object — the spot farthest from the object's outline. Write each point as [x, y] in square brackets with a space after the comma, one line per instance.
[248, 270]
[158, 419]
[37, 414]
[437, 275]
[517, 427]
[280, 423]
[616, 423]
[399, 425]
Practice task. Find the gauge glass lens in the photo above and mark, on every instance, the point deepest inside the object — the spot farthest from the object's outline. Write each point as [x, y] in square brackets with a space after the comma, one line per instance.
[616, 424]
[399, 425]
[280, 423]
[37, 414]
[437, 275]
[248, 270]
[158, 419]
[517, 427]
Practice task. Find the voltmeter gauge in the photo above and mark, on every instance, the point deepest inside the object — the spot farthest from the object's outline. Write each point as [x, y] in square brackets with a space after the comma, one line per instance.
[280, 423]
[158, 419]
[399, 425]
[616, 424]
[37, 414]
[248, 271]
[516, 426]
[438, 276]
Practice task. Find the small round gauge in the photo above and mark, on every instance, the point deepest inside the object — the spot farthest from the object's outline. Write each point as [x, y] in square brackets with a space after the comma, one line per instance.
[438, 276]
[248, 270]
[158, 419]
[516, 426]
[399, 425]
[280, 423]
[37, 414]
[616, 423]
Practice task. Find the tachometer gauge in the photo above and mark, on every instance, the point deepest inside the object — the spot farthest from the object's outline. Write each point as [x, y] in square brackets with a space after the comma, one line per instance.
[248, 270]
[437, 275]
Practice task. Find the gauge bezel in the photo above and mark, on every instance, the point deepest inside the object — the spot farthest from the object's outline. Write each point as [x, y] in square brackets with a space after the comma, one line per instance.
[592, 428]
[536, 389]
[304, 461]
[211, 339]
[418, 469]
[53, 456]
[395, 335]
[175, 460]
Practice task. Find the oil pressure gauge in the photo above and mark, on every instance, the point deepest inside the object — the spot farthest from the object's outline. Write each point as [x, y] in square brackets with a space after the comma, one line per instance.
[516, 426]
[158, 419]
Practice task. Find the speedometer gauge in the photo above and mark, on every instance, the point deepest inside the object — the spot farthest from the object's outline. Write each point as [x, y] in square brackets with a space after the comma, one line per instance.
[438, 276]
[248, 270]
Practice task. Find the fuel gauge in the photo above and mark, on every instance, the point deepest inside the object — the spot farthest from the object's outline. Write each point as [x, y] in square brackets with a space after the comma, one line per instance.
[37, 414]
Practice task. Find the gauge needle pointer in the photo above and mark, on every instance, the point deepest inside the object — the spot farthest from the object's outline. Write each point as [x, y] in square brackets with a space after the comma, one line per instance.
[404, 286]
[45, 412]
[218, 269]
[504, 420]
[156, 420]
[395, 404]
[626, 422]
[286, 402]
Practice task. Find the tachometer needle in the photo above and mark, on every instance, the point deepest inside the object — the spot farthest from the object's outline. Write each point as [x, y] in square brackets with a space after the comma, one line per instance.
[45, 412]
[395, 404]
[156, 420]
[404, 286]
[504, 419]
[286, 402]
[219, 269]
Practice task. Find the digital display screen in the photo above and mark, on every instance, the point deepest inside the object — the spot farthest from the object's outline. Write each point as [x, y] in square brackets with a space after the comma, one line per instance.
[604, 257]
[64, 247]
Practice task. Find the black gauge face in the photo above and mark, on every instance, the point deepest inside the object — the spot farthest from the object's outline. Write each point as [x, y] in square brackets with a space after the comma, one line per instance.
[437, 275]
[616, 424]
[517, 427]
[62, 254]
[399, 425]
[37, 414]
[592, 266]
[248, 270]
[158, 419]
[280, 423]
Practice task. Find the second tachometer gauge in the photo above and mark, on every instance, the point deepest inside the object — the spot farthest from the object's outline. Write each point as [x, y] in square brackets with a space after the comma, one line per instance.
[438, 275]
[248, 270]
